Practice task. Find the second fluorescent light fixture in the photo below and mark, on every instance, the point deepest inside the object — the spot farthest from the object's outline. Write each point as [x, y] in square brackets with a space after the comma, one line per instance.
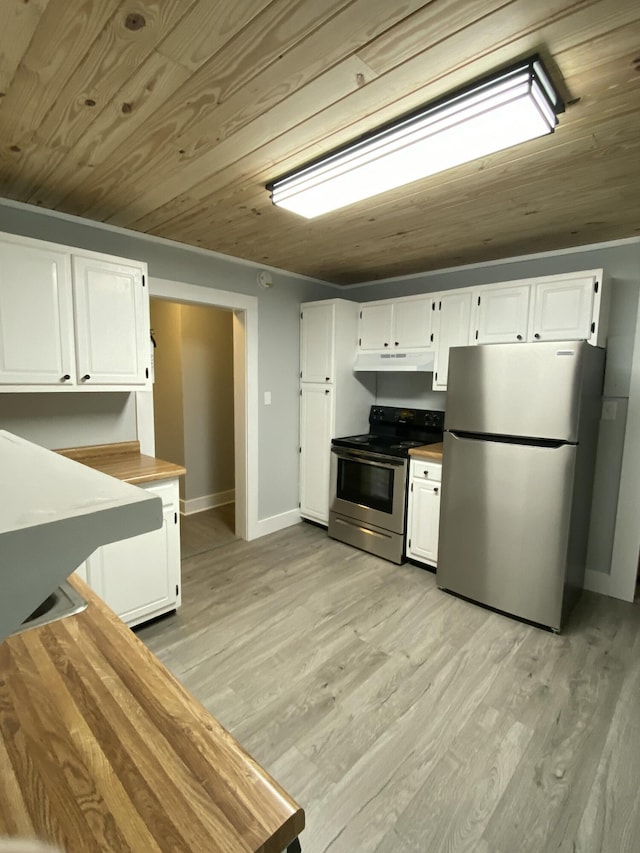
[509, 107]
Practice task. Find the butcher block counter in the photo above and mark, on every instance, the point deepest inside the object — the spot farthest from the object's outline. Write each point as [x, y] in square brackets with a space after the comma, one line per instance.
[101, 748]
[124, 462]
[427, 451]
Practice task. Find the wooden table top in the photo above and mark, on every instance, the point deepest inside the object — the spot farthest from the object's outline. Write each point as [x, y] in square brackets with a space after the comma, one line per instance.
[101, 748]
[428, 451]
[124, 461]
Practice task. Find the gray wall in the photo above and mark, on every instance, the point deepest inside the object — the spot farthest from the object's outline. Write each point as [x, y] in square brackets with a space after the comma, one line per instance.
[278, 328]
[168, 405]
[207, 382]
[622, 265]
[68, 419]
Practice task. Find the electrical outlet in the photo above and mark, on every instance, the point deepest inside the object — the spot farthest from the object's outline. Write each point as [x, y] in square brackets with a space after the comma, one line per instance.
[267, 398]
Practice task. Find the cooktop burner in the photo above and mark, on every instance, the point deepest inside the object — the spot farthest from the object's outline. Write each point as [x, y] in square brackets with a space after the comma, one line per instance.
[395, 430]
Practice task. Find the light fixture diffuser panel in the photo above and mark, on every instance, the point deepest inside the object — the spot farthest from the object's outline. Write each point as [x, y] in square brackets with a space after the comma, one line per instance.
[496, 114]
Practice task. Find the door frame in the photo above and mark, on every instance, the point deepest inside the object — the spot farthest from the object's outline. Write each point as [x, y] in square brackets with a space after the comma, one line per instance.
[245, 391]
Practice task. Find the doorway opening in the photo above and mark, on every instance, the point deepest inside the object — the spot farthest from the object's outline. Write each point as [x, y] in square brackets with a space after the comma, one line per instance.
[193, 408]
[244, 313]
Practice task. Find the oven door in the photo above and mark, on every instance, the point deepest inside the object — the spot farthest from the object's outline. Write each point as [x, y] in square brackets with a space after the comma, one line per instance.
[369, 488]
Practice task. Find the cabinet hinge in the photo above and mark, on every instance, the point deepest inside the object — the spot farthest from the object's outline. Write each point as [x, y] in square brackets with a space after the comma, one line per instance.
[299, 450]
[359, 342]
[431, 337]
[478, 300]
[595, 287]
[301, 392]
[440, 305]
[476, 334]
[593, 328]
[146, 372]
[301, 315]
[433, 306]
[144, 281]
[300, 374]
[175, 517]
[436, 376]
[411, 486]
[177, 589]
[409, 543]
[361, 315]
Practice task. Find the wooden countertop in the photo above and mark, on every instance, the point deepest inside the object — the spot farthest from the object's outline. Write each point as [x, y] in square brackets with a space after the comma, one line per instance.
[124, 461]
[428, 451]
[101, 748]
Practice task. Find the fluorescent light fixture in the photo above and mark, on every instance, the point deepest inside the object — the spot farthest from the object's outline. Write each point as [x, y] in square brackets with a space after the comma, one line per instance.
[509, 107]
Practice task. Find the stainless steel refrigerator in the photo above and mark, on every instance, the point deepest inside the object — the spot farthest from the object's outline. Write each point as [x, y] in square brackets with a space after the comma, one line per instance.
[521, 428]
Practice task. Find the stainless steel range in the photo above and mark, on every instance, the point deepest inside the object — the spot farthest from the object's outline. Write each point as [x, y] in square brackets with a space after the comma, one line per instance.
[368, 499]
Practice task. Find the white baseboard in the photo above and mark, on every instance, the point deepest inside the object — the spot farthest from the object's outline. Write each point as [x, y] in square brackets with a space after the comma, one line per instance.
[275, 523]
[597, 582]
[207, 502]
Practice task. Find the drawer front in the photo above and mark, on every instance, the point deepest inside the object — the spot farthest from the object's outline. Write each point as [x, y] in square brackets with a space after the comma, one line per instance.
[166, 489]
[426, 469]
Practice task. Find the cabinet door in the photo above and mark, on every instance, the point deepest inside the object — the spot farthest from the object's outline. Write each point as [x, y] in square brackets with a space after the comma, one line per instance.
[137, 577]
[316, 422]
[453, 321]
[36, 325]
[375, 326]
[423, 520]
[563, 310]
[317, 326]
[502, 315]
[412, 323]
[112, 338]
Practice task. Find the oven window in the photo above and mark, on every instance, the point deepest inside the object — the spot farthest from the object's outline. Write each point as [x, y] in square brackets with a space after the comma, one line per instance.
[365, 484]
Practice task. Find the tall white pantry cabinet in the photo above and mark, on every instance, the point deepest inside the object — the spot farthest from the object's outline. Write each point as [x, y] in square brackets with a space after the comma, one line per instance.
[334, 400]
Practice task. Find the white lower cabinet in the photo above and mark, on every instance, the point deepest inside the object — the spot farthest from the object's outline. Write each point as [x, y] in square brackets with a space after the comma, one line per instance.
[139, 578]
[423, 510]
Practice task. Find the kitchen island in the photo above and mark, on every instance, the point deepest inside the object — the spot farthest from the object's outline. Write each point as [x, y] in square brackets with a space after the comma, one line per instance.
[101, 748]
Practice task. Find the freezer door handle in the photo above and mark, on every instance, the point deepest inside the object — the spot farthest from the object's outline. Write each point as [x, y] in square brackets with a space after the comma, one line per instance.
[526, 441]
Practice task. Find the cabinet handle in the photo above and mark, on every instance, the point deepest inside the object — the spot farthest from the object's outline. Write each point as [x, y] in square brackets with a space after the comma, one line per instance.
[537, 336]
[66, 377]
[426, 473]
[397, 343]
[386, 344]
[519, 337]
[86, 376]
[327, 379]
[327, 391]
[435, 491]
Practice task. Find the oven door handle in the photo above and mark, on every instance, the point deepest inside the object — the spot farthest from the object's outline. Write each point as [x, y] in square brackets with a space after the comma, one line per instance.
[360, 456]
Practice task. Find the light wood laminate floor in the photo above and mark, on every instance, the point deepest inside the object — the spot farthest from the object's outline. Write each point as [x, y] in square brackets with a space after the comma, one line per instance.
[405, 719]
[206, 530]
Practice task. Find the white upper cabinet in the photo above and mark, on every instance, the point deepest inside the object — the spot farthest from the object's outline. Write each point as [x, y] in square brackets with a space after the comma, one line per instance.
[111, 336]
[70, 321]
[563, 308]
[412, 323]
[376, 326]
[502, 314]
[452, 329]
[36, 330]
[317, 328]
[403, 324]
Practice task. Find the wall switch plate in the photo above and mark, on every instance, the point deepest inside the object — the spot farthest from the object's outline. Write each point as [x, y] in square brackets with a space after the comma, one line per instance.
[609, 410]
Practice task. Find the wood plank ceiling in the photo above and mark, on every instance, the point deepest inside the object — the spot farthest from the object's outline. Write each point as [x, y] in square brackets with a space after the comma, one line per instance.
[169, 117]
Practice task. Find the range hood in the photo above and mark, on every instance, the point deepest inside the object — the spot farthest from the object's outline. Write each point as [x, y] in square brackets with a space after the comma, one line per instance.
[397, 361]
